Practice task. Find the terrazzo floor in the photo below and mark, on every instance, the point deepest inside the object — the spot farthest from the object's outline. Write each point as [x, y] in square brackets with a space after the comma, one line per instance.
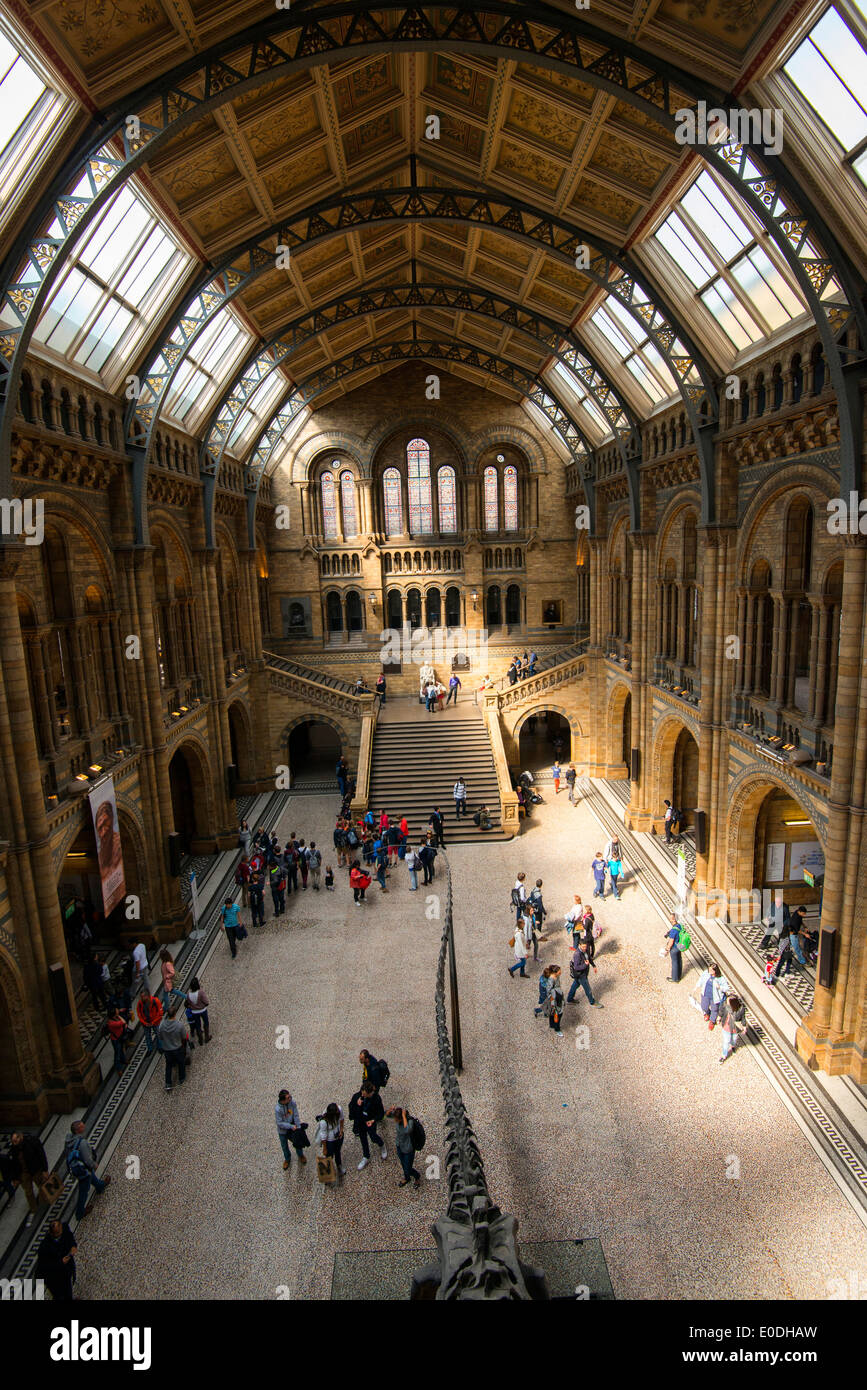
[631, 1139]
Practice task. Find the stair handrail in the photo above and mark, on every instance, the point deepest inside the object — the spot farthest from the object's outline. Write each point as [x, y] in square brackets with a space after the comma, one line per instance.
[508, 796]
[307, 673]
[534, 685]
[369, 717]
[574, 649]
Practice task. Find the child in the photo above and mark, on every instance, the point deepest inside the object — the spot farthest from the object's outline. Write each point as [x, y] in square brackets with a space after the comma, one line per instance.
[329, 879]
[770, 962]
[555, 773]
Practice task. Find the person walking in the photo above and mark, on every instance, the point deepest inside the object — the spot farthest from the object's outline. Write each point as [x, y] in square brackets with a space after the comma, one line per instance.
[380, 688]
[544, 987]
[277, 884]
[554, 1005]
[520, 948]
[81, 1161]
[435, 821]
[330, 1134]
[172, 1035]
[454, 687]
[711, 991]
[290, 861]
[392, 839]
[539, 911]
[55, 1262]
[92, 978]
[669, 815]
[579, 968]
[289, 1128]
[528, 923]
[365, 1112]
[140, 967]
[359, 882]
[571, 775]
[242, 879]
[29, 1168]
[168, 972]
[613, 856]
[427, 854]
[115, 1028]
[673, 937]
[404, 1136]
[556, 774]
[303, 865]
[574, 919]
[784, 964]
[245, 838]
[460, 796]
[230, 916]
[412, 863]
[519, 896]
[597, 869]
[381, 862]
[149, 1012]
[257, 900]
[314, 859]
[340, 772]
[198, 1004]
[733, 1018]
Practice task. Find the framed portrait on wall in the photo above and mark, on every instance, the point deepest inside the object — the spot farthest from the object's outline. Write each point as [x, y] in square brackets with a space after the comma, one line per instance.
[296, 616]
[552, 611]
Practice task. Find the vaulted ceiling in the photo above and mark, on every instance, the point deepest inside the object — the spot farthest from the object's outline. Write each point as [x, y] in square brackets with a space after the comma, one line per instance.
[553, 141]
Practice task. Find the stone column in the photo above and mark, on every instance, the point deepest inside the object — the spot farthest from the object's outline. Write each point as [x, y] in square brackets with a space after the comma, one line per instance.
[79, 681]
[819, 662]
[46, 724]
[822, 1034]
[65, 1070]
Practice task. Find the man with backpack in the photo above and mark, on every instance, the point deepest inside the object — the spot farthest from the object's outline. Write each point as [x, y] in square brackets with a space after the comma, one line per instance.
[571, 774]
[427, 854]
[373, 1069]
[365, 1111]
[81, 1161]
[670, 818]
[519, 897]
[460, 796]
[579, 968]
[257, 901]
[436, 824]
[679, 940]
[314, 860]
[277, 884]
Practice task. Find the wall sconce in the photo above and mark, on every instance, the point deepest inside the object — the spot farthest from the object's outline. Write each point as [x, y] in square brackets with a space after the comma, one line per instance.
[373, 600]
[474, 596]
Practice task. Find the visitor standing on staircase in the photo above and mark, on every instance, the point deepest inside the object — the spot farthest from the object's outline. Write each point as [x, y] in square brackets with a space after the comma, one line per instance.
[436, 824]
[460, 796]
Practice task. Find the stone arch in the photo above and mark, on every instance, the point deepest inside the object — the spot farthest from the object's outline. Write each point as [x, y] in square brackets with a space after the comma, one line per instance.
[201, 825]
[241, 740]
[620, 693]
[137, 877]
[688, 499]
[664, 743]
[17, 1043]
[312, 451]
[542, 708]
[816, 482]
[422, 422]
[312, 716]
[746, 794]
[513, 435]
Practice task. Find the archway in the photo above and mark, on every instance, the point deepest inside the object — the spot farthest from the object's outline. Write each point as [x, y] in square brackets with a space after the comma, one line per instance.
[191, 800]
[453, 607]
[240, 741]
[313, 750]
[334, 612]
[394, 609]
[545, 735]
[685, 778]
[626, 731]
[413, 608]
[79, 888]
[513, 606]
[772, 840]
[493, 611]
[432, 607]
[354, 618]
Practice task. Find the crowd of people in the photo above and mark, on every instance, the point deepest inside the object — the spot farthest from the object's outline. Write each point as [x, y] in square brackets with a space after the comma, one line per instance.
[365, 1112]
[582, 932]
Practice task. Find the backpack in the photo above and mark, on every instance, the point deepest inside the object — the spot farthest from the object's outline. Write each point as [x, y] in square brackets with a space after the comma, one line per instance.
[74, 1162]
[351, 838]
[516, 897]
[684, 940]
[676, 815]
[417, 1134]
[382, 1072]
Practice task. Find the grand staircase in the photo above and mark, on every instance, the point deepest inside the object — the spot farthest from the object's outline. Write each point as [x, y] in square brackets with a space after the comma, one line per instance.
[418, 757]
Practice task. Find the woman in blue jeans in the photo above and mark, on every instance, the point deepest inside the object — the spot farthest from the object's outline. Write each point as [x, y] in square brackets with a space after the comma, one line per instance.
[330, 1134]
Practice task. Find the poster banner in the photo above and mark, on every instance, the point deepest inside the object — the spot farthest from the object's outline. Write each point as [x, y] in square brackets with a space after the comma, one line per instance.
[806, 854]
[103, 809]
[776, 862]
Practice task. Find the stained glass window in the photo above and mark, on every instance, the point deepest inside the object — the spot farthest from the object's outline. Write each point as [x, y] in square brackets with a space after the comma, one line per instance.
[418, 472]
[393, 506]
[329, 507]
[510, 498]
[492, 520]
[446, 499]
[347, 497]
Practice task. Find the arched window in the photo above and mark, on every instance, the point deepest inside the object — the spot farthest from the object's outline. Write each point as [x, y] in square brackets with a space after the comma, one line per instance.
[418, 474]
[510, 498]
[329, 507]
[492, 520]
[447, 500]
[392, 501]
[347, 498]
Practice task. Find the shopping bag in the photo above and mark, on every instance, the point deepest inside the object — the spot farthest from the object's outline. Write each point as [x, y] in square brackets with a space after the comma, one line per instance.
[50, 1189]
[326, 1168]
